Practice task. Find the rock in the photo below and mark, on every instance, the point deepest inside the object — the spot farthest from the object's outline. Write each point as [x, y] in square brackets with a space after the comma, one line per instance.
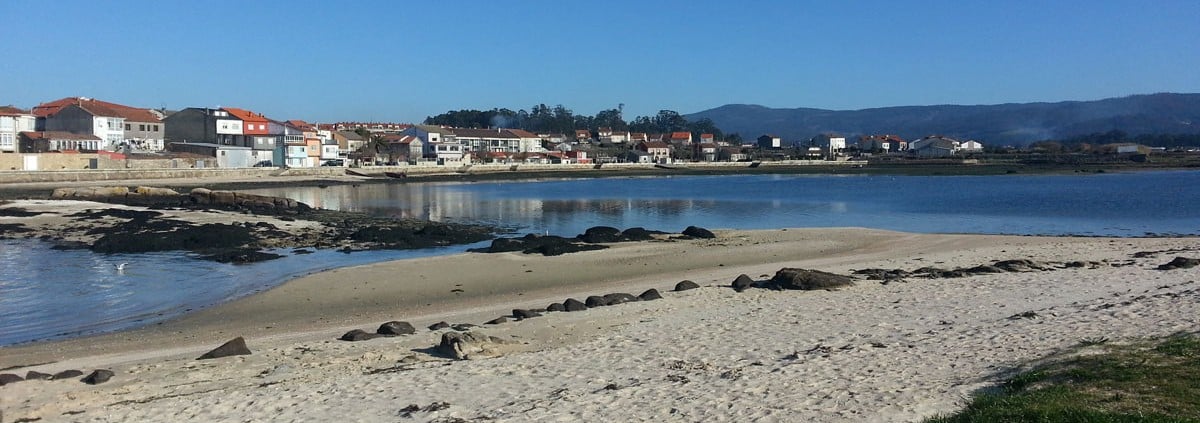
[619, 298]
[98, 376]
[698, 232]
[439, 326]
[572, 304]
[241, 256]
[556, 307]
[7, 378]
[462, 327]
[638, 234]
[160, 192]
[235, 346]
[32, 375]
[67, 374]
[358, 335]
[496, 321]
[595, 301]
[600, 234]
[742, 283]
[468, 345]
[650, 294]
[522, 314]
[793, 278]
[394, 328]
[1020, 265]
[685, 285]
[1180, 263]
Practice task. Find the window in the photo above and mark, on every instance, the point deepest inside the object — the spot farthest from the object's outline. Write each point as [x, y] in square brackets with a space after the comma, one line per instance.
[128, 127]
[155, 128]
[140, 127]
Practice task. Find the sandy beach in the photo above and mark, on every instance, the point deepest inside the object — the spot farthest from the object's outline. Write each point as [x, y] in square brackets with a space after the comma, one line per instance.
[899, 351]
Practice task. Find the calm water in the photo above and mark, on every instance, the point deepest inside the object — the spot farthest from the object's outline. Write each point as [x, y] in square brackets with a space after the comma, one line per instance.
[47, 294]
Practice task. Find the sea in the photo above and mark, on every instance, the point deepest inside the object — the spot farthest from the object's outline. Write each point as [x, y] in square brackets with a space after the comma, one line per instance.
[48, 294]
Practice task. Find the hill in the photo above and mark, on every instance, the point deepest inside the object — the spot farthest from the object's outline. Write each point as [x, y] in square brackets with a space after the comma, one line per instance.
[1014, 123]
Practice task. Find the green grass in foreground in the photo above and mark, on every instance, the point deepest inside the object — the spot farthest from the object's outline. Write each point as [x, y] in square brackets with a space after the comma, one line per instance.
[1157, 381]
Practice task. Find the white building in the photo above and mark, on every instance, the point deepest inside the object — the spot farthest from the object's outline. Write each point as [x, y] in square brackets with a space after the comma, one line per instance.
[14, 121]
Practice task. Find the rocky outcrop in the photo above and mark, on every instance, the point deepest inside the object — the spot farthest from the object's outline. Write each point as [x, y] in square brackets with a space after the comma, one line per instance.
[1180, 263]
[98, 376]
[395, 328]
[698, 232]
[235, 346]
[685, 285]
[803, 279]
[572, 304]
[261, 204]
[7, 378]
[358, 335]
[469, 345]
[522, 314]
[67, 374]
[742, 283]
[650, 295]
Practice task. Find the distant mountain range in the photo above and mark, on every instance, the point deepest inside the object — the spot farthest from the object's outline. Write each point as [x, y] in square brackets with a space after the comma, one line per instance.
[1000, 124]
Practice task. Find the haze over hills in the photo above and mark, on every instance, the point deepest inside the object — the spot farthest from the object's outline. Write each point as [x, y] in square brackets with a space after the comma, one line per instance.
[1000, 124]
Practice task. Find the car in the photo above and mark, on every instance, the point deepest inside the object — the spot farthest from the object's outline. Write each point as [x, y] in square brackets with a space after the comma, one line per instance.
[334, 162]
[264, 163]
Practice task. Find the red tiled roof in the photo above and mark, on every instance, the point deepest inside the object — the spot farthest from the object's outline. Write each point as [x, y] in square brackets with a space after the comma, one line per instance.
[11, 111]
[681, 135]
[245, 115]
[96, 107]
[523, 133]
[57, 135]
[706, 135]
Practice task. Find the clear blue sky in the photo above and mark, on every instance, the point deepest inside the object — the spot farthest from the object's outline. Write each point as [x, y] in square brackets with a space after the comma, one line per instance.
[405, 60]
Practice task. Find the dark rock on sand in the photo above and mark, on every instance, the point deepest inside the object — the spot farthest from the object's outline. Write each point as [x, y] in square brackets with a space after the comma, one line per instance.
[7, 378]
[32, 375]
[650, 295]
[595, 301]
[549, 245]
[1020, 265]
[395, 328]
[556, 307]
[685, 285]
[235, 346]
[742, 283]
[802, 279]
[698, 232]
[241, 256]
[1180, 263]
[601, 234]
[619, 298]
[496, 321]
[98, 376]
[462, 327]
[67, 374]
[439, 326]
[462, 346]
[639, 234]
[522, 314]
[358, 335]
[572, 304]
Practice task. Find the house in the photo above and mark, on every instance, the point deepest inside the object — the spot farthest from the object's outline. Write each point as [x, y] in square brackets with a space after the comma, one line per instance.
[833, 144]
[705, 152]
[256, 134]
[610, 136]
[348, 141]
[228, 156]
[1128, 148]
[530, 142]
[638, 156]
[636, 137]
[660, 152]
[431, 136]
[14, 121]
[488, 140]
[934, 146]
[970, 146]
[583, 135]
[290, 149]
[881, 143]
[769, 141]
[312, 142]
[48, 141]
[205, 125]
[118, 125]
[578, 157]
[406, 148]
[681, 138]
[733, 154]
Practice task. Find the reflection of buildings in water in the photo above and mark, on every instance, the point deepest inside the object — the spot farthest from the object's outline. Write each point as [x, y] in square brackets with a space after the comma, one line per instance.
[839, 207]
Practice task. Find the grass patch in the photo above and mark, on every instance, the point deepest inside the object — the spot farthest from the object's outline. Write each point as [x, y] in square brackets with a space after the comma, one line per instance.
[1156, 381]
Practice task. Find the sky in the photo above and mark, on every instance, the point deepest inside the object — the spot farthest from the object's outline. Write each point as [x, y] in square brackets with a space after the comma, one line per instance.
[401, 61]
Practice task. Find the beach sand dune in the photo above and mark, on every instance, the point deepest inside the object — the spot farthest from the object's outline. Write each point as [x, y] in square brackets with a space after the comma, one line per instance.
[899, 351]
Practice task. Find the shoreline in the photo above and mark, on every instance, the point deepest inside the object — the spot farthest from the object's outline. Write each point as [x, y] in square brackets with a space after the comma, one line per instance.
[711, 336]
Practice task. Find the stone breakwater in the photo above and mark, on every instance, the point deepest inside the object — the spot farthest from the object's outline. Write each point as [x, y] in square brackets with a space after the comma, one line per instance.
[201, 198]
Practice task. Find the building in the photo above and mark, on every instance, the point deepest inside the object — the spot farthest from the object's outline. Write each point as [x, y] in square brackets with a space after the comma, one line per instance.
[769, 141]
[49, 141]
[432, 136]
[833, 144]
[733, 154]
[882, 143]
[934, 146]
[120, 127]
[488, 140]
[684, 138]
[348, 141]
[970, 146]
[14, 121]
[660, 152]
[706, 152]
[205, 125]
[530, 142]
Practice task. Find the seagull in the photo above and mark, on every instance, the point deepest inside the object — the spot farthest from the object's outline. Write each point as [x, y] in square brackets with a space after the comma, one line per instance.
[121, 267]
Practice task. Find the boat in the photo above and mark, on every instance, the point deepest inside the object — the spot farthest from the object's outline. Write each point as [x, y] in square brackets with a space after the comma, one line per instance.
[353, 172]
[396, 175]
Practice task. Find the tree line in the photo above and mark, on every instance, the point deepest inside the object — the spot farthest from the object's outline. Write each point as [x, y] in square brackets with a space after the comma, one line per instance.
[1094, 142]
[561, 120]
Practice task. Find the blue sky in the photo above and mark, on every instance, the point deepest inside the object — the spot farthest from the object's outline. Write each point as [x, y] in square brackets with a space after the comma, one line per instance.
[404, 60]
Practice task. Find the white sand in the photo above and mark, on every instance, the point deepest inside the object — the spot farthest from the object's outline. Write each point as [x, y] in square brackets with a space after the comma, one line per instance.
[871, 352]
